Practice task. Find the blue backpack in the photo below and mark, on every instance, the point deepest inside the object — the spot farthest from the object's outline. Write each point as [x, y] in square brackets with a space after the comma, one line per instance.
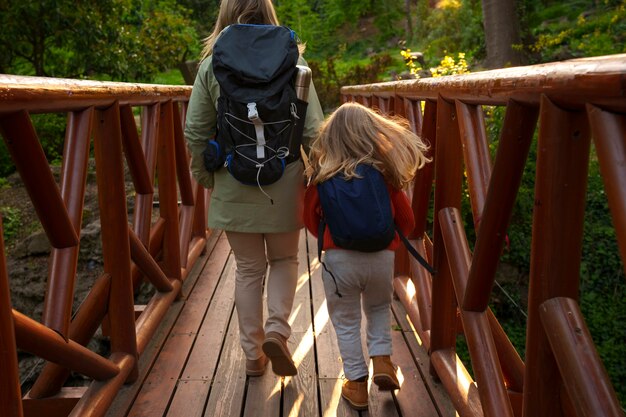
[357, 211]
[358, 215]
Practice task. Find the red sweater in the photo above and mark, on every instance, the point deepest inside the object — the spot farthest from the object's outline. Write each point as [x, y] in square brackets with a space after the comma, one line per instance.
[400, 207]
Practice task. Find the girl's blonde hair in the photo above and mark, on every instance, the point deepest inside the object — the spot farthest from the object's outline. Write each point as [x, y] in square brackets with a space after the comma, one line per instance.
[355, 134]
[256, 12]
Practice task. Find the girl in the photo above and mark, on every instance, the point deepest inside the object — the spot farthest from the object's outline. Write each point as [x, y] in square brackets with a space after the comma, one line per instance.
[259, 233]
[356, 135]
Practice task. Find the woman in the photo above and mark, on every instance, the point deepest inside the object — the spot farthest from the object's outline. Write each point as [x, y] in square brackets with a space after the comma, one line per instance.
[258, 231]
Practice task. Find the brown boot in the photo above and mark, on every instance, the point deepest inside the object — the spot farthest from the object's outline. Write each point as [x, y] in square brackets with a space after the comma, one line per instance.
[256, 367]
[275, 347]
[385, 373]
[355, 392]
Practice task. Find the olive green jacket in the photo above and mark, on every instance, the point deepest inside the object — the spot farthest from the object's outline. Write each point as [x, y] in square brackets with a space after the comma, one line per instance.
[234, 206]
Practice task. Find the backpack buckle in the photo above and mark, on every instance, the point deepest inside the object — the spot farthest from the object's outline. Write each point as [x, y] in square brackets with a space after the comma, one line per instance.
[253, 116]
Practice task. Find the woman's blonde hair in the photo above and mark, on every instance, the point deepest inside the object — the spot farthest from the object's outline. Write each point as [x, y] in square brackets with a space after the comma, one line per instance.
[258, 12]
[355, 134]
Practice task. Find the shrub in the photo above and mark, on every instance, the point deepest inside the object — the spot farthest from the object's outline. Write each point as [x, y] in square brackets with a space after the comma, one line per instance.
[11, 221]
[329, 79]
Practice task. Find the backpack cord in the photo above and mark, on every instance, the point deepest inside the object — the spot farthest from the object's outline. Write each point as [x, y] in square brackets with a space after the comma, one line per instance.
[320, 244]
[258, 173]
[281, 153]
[415, 253]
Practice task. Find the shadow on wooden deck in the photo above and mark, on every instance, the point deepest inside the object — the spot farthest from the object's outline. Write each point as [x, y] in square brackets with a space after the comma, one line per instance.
[195, 366]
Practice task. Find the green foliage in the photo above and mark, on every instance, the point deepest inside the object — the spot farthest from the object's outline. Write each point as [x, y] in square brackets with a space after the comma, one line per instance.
[329, 77]
[454, 26]
[298, 15]
[11, 222]
[388, 19]
[203, 14]
[6, 163]
[169, 77]
[327, 25]
[339, 12]
[603, 284]
[127, 40]
[50, 129]
[575, 29]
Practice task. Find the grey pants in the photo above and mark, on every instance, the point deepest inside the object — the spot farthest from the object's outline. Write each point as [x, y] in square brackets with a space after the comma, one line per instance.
[253, 252]
[364, 280]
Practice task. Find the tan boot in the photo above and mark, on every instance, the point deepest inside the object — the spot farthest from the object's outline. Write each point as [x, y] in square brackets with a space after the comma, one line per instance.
[355, 393]
[256, 367]
[385, 373]
[275, 347]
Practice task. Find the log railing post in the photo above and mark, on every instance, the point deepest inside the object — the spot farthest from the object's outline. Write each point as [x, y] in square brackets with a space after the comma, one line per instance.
[10, 392]
[115, 241]
[587, 382]
[168, 196]
[560, 190]
[448, 176]
[498, 202]
[609, 137]
[63, 262]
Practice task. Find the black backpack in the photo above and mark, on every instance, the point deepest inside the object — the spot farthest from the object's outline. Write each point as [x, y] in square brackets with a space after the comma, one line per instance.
[259, 118]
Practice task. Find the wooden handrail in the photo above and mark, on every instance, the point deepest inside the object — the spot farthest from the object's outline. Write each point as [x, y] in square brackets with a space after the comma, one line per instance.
[570, 101]
[165, 249]
[46, 95]
[573, 83]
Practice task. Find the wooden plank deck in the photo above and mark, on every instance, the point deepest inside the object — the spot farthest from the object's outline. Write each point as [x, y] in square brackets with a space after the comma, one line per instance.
[195, 366]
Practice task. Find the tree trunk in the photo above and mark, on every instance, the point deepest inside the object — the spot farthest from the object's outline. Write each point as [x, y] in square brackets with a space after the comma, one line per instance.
[501, 33]
[409, 24]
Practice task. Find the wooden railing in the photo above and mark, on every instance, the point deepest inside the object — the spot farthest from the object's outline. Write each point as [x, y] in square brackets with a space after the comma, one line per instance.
[573, 101]
[562, 374]
[159, 249]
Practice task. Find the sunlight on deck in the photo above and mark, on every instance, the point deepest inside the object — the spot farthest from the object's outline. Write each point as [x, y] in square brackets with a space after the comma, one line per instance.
[331, 410]
[304, 347]
[297, 405]
[411, 292]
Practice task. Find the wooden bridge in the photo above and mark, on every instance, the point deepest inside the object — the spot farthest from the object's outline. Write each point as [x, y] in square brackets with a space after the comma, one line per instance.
[178, 355]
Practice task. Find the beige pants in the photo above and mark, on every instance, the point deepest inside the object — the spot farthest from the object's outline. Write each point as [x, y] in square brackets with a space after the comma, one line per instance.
[253, 252]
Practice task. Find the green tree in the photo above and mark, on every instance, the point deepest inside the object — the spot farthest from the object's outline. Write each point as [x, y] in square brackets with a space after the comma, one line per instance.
[128, 40]
[451, 27]
[299, 16]
[203, 14]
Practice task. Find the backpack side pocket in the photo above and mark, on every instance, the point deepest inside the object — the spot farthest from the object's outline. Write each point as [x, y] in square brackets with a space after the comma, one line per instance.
[213, 156]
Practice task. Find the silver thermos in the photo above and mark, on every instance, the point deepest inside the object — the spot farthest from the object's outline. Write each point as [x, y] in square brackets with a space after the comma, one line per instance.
[303, 80]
